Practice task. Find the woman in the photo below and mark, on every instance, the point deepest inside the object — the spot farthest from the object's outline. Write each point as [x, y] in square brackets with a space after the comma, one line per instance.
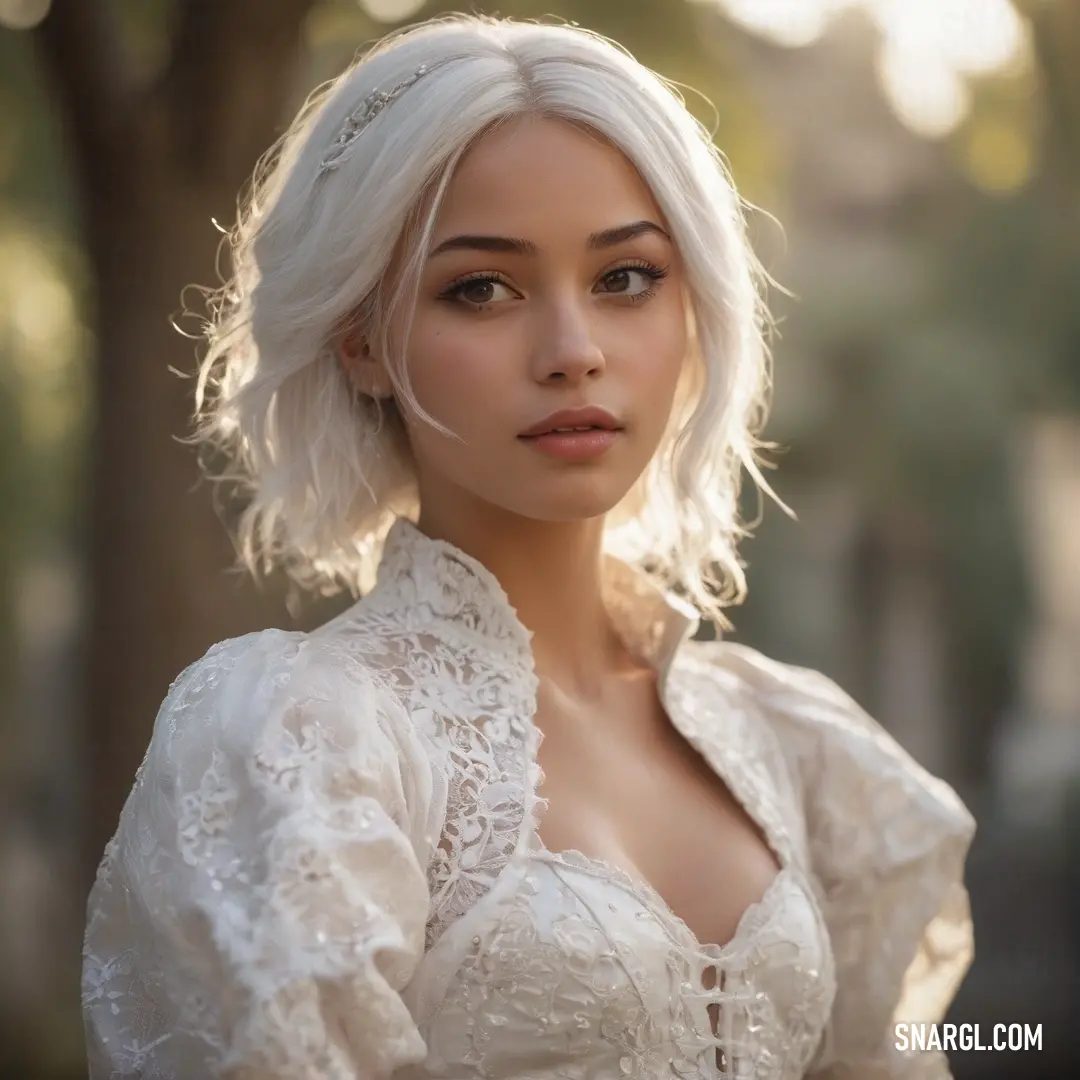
[493, 358]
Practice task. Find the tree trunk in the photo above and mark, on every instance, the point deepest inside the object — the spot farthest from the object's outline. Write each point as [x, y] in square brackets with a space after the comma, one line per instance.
[154, 165]
[160, 591]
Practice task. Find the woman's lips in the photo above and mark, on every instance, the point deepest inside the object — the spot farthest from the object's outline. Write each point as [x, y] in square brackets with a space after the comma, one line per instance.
[573, 445]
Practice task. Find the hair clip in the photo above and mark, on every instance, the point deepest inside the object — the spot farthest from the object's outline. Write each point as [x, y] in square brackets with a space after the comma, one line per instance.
[359, 119]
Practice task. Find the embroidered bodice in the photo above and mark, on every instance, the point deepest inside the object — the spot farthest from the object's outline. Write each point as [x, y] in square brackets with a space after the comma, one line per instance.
[329, 868]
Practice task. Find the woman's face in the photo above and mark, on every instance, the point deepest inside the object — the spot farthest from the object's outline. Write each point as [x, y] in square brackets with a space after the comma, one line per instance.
[552, 285]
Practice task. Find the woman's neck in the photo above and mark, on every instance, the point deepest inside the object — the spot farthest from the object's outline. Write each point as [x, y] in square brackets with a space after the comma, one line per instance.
[552, 575]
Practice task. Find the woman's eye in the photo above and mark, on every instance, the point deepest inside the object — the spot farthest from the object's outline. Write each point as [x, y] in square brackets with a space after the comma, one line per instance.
[621, 281]
[478, 291]
[636, 283]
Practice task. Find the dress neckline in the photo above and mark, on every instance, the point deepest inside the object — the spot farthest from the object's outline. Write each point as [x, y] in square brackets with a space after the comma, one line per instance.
[645, 892]
[655, 624]
[754, 916]
[449, 585]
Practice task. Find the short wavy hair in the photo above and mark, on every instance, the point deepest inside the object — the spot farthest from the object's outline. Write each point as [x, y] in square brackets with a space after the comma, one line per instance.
[323, 468]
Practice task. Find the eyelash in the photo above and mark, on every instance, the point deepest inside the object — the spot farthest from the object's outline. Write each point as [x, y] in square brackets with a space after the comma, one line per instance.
[656, 274]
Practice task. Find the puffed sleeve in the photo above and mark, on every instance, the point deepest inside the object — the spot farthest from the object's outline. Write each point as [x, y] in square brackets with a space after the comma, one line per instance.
[887, 844]
[263, 902]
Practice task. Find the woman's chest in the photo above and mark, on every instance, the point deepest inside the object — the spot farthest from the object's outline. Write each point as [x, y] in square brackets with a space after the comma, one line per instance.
[573, 970]
[691, 800]
[624, 786]
[551, 934]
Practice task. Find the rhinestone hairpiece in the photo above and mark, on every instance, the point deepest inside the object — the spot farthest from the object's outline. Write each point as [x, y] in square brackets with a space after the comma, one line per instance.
[360, 117]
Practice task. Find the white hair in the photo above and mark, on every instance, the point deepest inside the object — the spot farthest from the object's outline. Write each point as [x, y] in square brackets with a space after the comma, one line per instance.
[325, 468]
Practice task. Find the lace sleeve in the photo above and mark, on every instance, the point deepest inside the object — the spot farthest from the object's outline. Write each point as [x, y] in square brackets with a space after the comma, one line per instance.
[887, 845]
[263, 901]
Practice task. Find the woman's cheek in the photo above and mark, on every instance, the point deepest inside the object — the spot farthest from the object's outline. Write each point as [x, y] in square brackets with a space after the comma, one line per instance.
[454, 379]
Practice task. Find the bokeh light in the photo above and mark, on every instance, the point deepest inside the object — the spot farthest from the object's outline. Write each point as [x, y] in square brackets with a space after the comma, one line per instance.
[23, 14]
[390, 11]
[787, 22]
[929, 47]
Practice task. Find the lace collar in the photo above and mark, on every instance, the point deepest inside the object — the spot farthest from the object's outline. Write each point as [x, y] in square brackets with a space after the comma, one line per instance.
[434, 579]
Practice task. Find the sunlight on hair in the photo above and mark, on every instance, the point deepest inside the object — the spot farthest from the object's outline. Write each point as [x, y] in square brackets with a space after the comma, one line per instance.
[311, 252]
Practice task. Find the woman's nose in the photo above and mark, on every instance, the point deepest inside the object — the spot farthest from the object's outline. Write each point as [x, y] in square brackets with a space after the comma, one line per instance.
[568, 348]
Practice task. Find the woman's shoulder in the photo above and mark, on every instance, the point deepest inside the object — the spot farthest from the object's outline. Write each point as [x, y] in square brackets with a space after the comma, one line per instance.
[268, 860]
[886, 843]
[265, 649]
[844, 759]
[284, 723]
[275, 688]
[775, 682]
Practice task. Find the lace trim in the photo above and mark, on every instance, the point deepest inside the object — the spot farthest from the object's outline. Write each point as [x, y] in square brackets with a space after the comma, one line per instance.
[548, 969]
[753, 918]
[456, 600]
[475, 762]
[690, 956]
[747, 795]
[710, 1031]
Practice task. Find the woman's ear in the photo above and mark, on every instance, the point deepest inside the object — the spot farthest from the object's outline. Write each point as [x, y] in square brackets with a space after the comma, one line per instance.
[362, 369]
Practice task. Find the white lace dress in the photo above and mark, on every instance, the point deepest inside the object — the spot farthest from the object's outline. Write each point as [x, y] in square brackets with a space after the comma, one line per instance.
[328, 867]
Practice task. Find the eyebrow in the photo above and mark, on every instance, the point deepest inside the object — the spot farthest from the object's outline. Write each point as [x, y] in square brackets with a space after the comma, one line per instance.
[513, 246]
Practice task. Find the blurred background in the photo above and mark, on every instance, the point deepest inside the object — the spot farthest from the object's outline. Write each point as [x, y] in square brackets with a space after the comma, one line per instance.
[915, 171]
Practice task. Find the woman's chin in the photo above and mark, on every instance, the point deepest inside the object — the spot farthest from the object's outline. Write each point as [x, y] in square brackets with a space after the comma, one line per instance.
[569, 499]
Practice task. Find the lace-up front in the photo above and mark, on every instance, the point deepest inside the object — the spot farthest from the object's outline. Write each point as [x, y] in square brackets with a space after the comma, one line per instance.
[329, 867]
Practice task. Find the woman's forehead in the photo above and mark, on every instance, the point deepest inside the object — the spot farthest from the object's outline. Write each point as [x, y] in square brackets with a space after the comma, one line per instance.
[539, 173]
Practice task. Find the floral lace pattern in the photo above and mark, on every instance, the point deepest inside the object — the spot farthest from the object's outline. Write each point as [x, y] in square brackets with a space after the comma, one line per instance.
[328, 867]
